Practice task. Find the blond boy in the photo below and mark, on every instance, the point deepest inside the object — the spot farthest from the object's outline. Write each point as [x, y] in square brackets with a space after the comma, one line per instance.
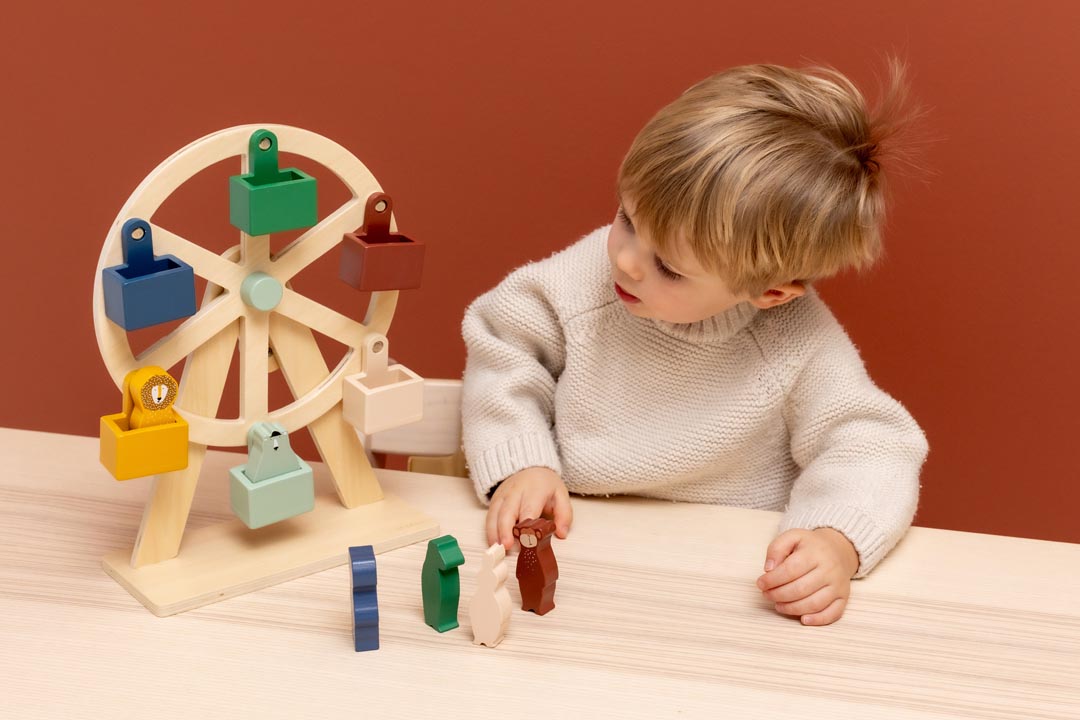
[681, 352]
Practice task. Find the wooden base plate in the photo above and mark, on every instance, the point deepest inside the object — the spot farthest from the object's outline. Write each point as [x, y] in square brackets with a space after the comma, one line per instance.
[221, 561]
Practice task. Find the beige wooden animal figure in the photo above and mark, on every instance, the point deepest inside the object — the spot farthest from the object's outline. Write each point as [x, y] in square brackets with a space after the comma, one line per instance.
[490, 608]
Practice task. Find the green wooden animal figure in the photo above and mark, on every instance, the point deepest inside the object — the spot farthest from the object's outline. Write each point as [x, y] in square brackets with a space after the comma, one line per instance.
[440, 583]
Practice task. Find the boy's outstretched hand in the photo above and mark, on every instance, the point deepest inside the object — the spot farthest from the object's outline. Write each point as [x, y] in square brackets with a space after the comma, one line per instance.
[808, 573]
[530, 493]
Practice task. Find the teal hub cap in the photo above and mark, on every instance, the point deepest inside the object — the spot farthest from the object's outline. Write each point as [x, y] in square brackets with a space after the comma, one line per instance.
[261, 291]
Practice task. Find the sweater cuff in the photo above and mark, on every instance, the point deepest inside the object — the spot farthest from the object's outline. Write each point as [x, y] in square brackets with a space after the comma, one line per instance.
[870, 542]
[497, 463]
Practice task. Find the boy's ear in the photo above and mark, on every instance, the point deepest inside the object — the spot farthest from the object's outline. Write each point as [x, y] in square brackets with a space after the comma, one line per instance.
[778, 295]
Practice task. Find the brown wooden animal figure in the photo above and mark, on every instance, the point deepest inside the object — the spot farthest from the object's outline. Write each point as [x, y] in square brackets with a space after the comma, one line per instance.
[537, 570]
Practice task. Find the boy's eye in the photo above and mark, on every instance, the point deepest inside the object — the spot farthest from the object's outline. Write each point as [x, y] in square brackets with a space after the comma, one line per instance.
[625, 219]
[665, 270]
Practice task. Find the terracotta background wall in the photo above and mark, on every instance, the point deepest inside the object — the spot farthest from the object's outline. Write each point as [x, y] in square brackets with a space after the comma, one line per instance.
[498, 127]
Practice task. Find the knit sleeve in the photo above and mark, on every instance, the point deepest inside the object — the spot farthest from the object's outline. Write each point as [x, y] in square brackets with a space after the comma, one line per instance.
[858, 449]
[515, 354]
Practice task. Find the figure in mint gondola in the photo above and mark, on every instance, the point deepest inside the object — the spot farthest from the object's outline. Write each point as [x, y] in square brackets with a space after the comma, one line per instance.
[440, 583]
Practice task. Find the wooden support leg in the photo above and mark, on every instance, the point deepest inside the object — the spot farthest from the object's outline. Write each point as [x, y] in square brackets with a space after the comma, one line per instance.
[301, 362]
[201, 386]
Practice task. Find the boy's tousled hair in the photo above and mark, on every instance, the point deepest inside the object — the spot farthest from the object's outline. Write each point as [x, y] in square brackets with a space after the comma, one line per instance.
[771, 174]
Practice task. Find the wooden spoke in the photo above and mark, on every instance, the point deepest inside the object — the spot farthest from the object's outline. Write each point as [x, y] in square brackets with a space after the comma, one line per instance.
[319, 240]
[254, 365]
[254, 251]
[194, 332]
[321, 319]
[317, 403]
[206, 264]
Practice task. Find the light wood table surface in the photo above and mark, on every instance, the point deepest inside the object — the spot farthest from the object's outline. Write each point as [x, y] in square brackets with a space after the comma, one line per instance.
[657, 616]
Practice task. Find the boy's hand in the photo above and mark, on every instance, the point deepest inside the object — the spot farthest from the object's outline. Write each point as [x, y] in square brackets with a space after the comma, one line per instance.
[808, 573]
[529, 493]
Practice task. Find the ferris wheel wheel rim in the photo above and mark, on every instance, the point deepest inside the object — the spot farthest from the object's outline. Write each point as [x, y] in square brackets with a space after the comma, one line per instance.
[157, 187]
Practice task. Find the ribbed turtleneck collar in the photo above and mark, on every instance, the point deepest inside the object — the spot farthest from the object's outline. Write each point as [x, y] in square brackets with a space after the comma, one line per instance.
[714, 330]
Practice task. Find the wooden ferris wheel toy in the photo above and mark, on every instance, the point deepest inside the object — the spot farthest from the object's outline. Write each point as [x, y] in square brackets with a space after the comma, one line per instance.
[145, 276]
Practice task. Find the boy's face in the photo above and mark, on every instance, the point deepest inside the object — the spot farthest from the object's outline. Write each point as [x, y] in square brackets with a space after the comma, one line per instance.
[674, 288]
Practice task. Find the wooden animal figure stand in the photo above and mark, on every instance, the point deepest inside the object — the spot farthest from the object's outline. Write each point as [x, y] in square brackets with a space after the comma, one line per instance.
[490, 608]
[537, 570]
[440, 583]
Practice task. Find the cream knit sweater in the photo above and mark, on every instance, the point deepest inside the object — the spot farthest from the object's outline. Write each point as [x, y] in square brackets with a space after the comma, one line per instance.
[768, 409]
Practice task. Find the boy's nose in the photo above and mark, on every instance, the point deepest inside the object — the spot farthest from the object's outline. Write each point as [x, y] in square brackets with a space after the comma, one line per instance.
[628, 262]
